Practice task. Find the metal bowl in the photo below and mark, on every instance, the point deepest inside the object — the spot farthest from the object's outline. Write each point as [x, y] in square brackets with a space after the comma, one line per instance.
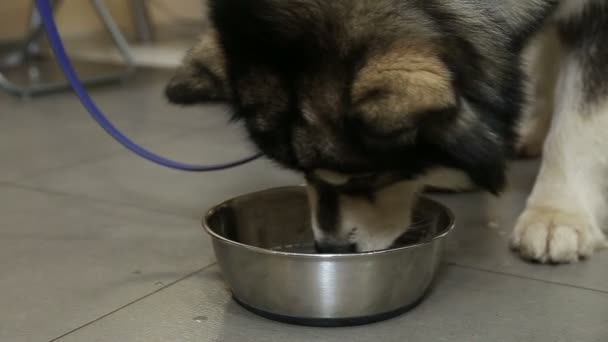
[264, 245]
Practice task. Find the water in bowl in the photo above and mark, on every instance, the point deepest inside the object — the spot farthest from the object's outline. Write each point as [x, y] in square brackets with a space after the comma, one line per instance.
[416, 234]
[301, 248]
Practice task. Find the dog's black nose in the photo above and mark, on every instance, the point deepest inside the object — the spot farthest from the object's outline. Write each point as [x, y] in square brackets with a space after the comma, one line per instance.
[324, 247]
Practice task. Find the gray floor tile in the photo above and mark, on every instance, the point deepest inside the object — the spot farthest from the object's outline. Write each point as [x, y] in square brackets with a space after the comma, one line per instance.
[467, 305]
[54, 131]
[142, 98]
[67, 261]
[483, 222]
[484, 225]
[129, 179]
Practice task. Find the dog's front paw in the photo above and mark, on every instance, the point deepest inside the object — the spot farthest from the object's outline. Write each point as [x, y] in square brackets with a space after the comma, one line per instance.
[549, 235]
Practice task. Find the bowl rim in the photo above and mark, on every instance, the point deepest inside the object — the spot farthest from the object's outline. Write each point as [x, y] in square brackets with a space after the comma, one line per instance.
[450, 226]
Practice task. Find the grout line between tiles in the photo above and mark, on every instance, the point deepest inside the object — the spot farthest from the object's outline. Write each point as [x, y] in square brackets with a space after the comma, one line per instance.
[506, 274]
[190, 275]
[115, 152]
[99, 200]
[177, 215]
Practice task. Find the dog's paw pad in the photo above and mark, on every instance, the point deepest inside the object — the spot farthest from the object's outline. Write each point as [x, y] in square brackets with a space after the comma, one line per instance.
[552, 236]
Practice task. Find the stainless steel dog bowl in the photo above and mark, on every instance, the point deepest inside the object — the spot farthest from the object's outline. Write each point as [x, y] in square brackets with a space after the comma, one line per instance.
[264, 246]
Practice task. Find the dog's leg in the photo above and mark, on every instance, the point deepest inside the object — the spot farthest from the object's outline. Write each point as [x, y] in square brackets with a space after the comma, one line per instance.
[541, 64]
[563, 219]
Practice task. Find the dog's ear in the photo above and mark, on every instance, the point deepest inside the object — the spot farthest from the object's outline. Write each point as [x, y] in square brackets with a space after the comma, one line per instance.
[202, 76]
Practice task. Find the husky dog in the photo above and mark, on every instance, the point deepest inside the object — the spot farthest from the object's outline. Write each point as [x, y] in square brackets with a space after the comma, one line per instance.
[372, 100]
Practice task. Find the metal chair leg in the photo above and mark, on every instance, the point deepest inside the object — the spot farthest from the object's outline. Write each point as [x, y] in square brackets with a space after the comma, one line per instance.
[41, 75]
[30, 44]
[141, 19]
[119, 39]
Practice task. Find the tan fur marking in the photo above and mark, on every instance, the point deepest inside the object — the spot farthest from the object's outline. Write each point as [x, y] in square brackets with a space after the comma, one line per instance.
[209, 53]
[414, 78]
[206, 53]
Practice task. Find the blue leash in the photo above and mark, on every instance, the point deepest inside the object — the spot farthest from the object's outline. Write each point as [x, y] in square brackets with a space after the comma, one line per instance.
[46, 16]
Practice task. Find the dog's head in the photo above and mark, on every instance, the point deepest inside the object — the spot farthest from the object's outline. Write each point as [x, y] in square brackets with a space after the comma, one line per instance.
[364, 98]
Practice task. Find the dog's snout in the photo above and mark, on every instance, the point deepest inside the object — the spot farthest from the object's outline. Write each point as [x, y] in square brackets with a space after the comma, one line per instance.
[329, 247]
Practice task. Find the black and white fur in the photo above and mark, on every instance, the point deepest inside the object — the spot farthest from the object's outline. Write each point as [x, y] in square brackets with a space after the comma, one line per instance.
[373, 100]
[567, 209]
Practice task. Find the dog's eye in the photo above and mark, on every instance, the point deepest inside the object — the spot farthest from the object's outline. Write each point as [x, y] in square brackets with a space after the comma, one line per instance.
[374, 94]
[372, 133]
[365, 178]
[360, 183]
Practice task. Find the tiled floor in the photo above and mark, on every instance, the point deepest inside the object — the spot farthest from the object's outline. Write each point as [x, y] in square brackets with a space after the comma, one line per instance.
[98, 245]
